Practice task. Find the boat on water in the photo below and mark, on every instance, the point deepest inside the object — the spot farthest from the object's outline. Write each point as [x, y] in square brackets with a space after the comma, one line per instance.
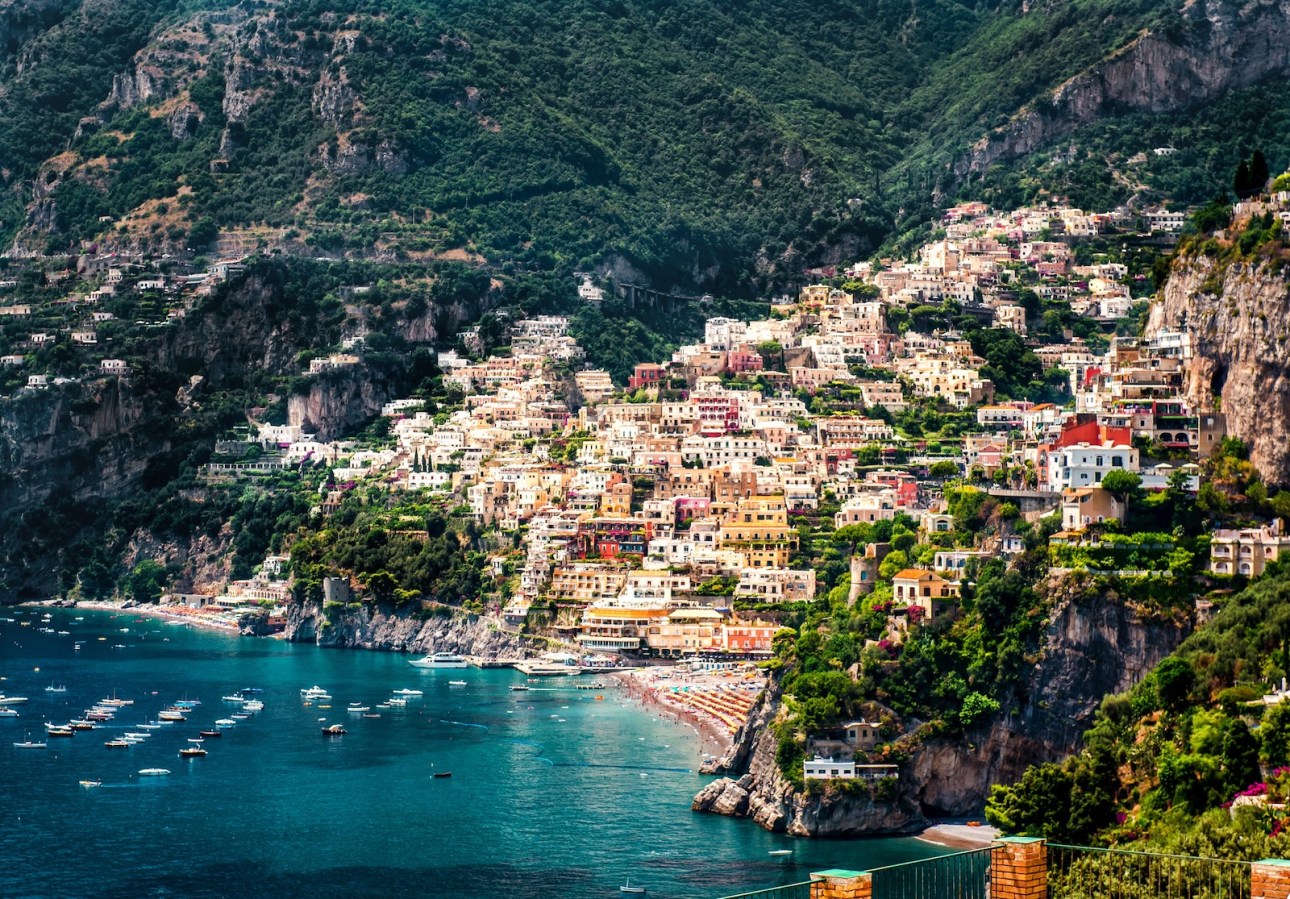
[209, 734]
[170, 716]
[233, 697]
[314, 692]
[8, 713]
[226, 722]
[406, 692]
[91, 783]
[397, 702]
[29, 744]
[371, 714]
[334, 730]
[628, 888]
[56, 688]
[118, 744]
[192, 752]
[58, 730]
[551, 664]
[355, 707]
[439, 660]
[456, 683]
[239, 716]
[781, 852]
[442, 774]
[11, 700]
[153, 772]
[253, 705]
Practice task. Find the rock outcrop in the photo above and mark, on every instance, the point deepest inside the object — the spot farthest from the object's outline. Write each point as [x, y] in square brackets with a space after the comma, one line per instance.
[1217, 47]
[1094, 647]
[1236, 313]
[367, 626]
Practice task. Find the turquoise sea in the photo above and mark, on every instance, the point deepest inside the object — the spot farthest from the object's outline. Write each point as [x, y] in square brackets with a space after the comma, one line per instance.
[552, 793]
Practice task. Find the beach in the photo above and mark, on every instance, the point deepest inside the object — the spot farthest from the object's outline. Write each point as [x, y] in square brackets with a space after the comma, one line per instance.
[682, 694]
[173, 613]
[960, 835]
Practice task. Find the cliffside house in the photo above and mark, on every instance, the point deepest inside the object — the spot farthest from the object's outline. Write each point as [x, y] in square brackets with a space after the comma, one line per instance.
[926, 590]
[1247, 551]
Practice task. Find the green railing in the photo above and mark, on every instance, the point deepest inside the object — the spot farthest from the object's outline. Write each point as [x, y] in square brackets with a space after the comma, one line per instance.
[1081, 872]
[807, 890]
[959, 875]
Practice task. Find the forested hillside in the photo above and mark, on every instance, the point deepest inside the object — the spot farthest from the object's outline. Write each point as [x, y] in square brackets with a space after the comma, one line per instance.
[692, 143]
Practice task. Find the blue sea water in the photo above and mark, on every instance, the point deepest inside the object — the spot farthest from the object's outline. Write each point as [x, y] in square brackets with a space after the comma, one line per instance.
[552, 793]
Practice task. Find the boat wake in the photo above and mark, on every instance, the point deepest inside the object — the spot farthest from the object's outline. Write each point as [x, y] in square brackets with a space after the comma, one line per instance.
[604, 765]
[463, 724]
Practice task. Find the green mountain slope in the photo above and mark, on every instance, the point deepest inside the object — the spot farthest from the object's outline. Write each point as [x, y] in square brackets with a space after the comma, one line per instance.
[696, 143]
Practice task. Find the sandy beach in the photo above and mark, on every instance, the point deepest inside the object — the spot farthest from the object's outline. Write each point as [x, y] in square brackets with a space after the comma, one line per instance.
[959, 835]
[174, 613]
[659, 688]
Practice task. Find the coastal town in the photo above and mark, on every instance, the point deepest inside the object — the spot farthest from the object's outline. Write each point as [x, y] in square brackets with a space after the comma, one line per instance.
[678, 515]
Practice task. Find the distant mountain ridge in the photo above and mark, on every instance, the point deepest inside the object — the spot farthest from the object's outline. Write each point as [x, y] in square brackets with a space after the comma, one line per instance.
[697, 143]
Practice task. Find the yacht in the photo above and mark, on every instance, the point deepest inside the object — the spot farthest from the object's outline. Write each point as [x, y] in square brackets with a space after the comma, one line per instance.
[253, 705]
[11, 700]
[439, 660]
[406, 692]
[8, 713]
[551, 664]
[314, 692]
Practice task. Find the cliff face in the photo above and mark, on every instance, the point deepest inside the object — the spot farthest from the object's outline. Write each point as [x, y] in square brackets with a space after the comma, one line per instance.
[1218, 46]
[1094, 647]
[370, 627]
[1236, 314]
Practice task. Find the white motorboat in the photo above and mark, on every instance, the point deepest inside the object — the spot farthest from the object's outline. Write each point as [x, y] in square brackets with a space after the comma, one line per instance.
[153, 772]
[406, 692]
[253, 705]
[456, 683]
[551, 664]
[439, 660]
[60, 688]
[397, 703]
[11, 700]
[8, 713]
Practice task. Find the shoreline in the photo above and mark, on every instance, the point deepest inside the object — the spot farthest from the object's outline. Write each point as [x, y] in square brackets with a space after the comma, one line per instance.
[714, 737]
[959, 836]
[169, 613]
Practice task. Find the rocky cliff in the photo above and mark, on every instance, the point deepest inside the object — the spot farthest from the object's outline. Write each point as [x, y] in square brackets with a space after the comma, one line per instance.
[366, 626]
[1094, 647]
[1236, 315]
[1216, 46]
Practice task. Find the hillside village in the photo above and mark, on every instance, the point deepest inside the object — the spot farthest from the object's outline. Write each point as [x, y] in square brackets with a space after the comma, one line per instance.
[680, 514]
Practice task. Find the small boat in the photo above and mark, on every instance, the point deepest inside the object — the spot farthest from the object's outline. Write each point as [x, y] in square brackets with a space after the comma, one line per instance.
[247, 691]
[628, 888]
[187, 703]
[11, 700]
[209, 734]
[196, 740]
[192, 752]
[314, 692]
[397, 703]
[371, 714]
[442, 774]
[81, 725]
[170, 716]
[29, 744]
[780, 852]
[355, 707]
[7, 713]
[151, 725]
[58, 730]
[239, 716]
[406, 692]
[518, 688]
[118, 744]
[91, 783]
[226, 722]
[60, 688]
[153, 772]
[456, 683]
[136, 735]
[334, 730]
[234, 697]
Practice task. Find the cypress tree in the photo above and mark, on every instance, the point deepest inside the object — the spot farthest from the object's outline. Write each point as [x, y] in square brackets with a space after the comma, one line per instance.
[1258, 172]
[1241, 180]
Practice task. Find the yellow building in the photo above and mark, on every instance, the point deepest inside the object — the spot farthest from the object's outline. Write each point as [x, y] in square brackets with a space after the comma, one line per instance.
[614, 628]
[685, 631]
[759, 530]
[587, 583]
